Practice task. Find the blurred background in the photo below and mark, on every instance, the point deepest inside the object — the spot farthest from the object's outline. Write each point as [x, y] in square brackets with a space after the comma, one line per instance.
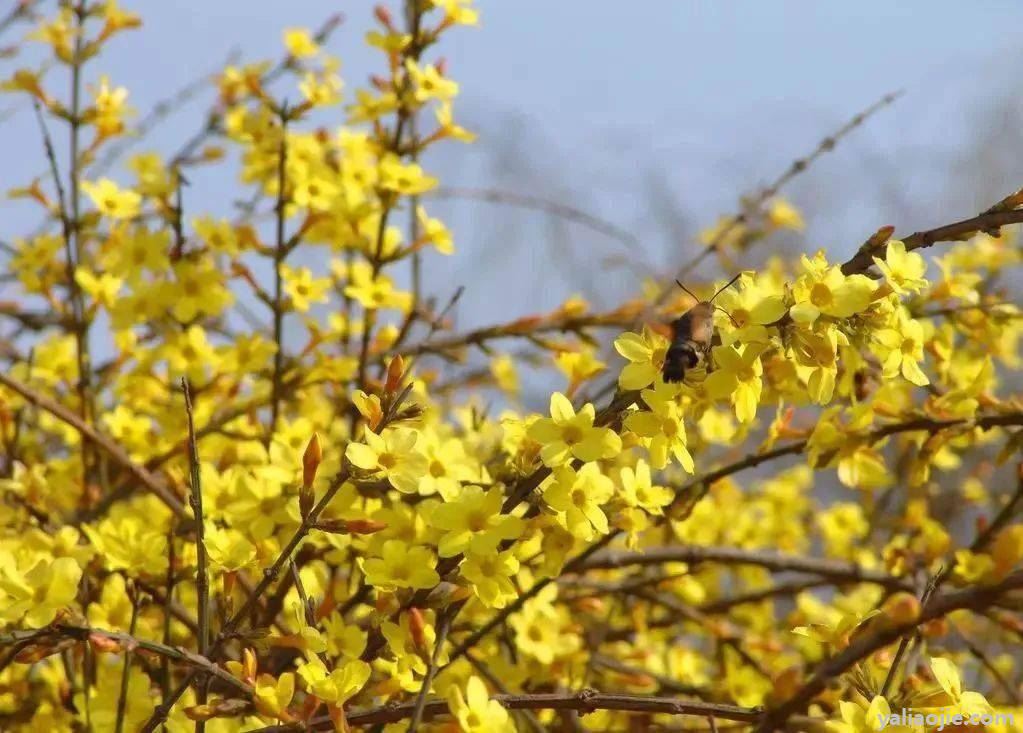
[654, 117]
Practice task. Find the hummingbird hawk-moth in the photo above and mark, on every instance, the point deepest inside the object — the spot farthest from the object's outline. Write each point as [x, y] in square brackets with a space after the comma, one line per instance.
[692, 335]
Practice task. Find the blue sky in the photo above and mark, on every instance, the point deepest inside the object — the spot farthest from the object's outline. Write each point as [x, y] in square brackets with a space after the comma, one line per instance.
[640, 112]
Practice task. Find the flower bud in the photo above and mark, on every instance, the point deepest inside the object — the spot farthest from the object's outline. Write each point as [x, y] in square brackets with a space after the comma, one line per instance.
[395, 371]
[417, 627]
[902, 608]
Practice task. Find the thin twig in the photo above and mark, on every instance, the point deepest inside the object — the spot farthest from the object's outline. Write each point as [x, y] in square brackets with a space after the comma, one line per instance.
[443, 627]
[122, 699]
[202, 582]
[795, 168]
[537, 203]
[976, 598]
[103, 441]
[278, 261]
[586, 701]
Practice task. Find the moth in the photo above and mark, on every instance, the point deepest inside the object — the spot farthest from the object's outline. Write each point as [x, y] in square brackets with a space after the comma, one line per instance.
[692, 335]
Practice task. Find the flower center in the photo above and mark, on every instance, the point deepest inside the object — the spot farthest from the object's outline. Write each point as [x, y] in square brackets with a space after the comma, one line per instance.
[572, 435]
[820, 295]
[387, 460]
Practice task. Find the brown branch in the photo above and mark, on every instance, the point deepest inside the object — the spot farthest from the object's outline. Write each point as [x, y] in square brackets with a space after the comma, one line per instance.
[795, 168]
[51, 634]
[202, 581]
[987, 222]
[480, 337]
[837, 570]
[443, 627]
[537, 203]
[278, 261]
[270, 576]
[976, 598]
[586, 701]
[103, 441]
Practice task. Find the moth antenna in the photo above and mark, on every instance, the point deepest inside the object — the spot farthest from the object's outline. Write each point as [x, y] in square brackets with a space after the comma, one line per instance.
[723, 287]
[689, 291]
[734, 322]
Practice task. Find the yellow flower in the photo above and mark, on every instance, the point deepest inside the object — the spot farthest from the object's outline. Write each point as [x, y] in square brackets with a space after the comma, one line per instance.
[198, 289]
[662, 428]
[406, 179]
[302, 288]
[901, 349]
[218, 234]
[33, 595]
[753, 305]
[578, 366]
[824, 290]
[639, 491]
[645, 353]
[502, 367]
[101, 288]
[737, 377]
[375, 291]
[961, 701]
[272, 696]
[400, 566]
[105, 693]
[567, 434]
[458, 12]
[473, 522]
[842, 525]
[300, 42]
[491, 577]
[109, 110]
[229, 549]
[903, 270]
[783, 215]
[476, 712]
[111, 200]
[540, 628]
[391, 454]
[428, 83]
[129, 543]
[434, 232]
[579, 497]
[338, 685]
[448, 128]
[873, 719]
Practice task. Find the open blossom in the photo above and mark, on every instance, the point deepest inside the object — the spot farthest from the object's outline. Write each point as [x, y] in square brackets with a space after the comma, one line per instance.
[392, 455]
[567, 434]
[824, 291]
[903, 270]
[580, 495]
[645, 353]
[472, 522]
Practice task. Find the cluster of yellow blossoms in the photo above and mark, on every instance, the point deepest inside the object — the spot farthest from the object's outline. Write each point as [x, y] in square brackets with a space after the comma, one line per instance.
[327, 531]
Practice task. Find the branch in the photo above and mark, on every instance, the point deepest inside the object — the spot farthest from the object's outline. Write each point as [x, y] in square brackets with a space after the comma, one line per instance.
[586, 701]
[56, 632]
[103, 441]
[976, 598]
[202, 581]
[536, 203]
[797, 166]
[837, 570]
[960, 230]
